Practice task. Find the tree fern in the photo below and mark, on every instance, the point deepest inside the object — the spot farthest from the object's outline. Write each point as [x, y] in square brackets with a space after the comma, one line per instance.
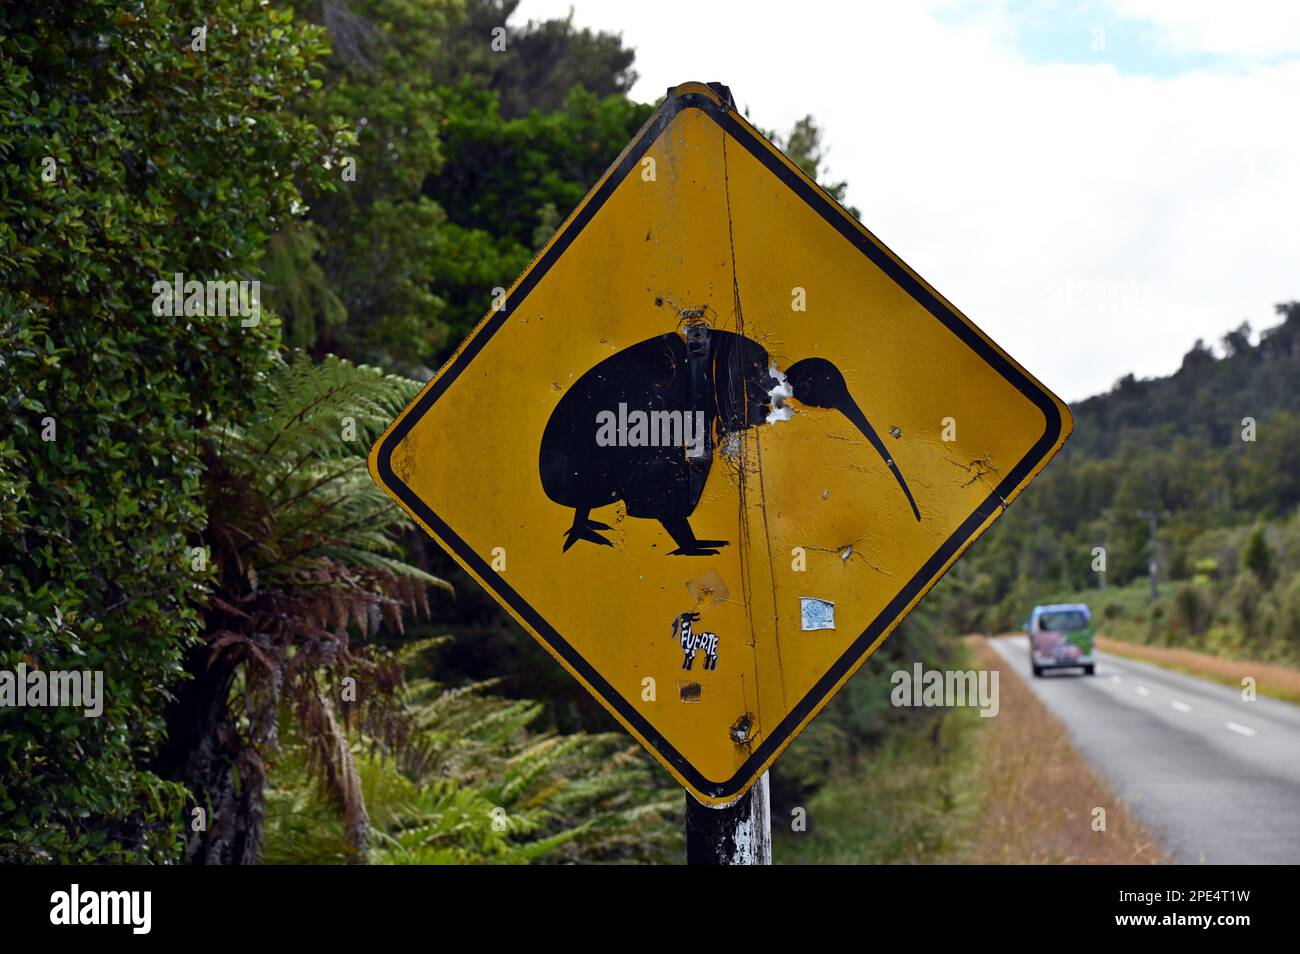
[304, 559]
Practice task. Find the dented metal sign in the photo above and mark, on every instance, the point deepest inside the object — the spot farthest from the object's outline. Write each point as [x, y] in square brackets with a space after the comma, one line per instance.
[715, 443]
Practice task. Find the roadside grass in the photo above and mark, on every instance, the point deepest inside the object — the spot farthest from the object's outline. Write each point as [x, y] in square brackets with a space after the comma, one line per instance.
[911, 802]
[959, 788]
[1039, 796]
[1280, 682]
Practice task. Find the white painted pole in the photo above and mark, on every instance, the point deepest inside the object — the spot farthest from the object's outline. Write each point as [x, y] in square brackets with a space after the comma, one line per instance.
[735, 834]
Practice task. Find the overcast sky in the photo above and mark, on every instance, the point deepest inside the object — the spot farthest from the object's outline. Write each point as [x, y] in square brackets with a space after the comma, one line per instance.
[1096, 184]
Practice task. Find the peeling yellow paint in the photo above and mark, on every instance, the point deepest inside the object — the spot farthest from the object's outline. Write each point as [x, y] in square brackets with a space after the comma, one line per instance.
[708, 588]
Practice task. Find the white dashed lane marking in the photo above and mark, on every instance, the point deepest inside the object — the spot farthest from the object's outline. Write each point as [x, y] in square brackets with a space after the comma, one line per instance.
[1143, 691]
[1225, 788]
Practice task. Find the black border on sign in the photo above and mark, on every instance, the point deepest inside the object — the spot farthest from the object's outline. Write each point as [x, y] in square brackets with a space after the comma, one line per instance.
[775, 739]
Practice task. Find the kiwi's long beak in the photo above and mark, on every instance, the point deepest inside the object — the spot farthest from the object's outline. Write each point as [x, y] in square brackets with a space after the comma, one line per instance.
[850, 409]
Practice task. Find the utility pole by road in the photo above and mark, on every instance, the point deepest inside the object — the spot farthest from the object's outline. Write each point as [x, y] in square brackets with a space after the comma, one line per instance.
[1152, 517]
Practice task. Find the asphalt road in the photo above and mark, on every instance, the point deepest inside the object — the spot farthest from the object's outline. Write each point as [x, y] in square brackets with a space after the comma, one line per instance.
[1215, 778]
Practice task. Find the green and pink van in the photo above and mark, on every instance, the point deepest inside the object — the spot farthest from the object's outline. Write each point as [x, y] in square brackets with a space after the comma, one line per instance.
[1060, 637]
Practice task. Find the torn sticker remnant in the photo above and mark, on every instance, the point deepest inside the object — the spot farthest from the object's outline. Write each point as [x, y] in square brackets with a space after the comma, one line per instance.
[709, 588]
[816, 614]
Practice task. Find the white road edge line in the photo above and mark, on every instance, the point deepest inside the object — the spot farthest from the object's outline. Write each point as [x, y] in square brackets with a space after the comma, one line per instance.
[1143, 691]
[1238, 727]
[1181, 706]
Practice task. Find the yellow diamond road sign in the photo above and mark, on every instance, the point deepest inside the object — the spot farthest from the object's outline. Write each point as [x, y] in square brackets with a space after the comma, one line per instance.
[714, 443]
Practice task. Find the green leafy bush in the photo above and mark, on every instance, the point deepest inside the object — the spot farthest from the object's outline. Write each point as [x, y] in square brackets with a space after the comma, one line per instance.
[128, 156]
[1193, 610]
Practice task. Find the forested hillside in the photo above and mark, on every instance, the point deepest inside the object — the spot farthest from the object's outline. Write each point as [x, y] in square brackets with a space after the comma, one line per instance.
[1213, 452]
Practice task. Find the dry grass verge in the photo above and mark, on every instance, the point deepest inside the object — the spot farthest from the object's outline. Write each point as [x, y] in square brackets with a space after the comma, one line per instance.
[1280, 682]
[966, 790]
[1039, 794]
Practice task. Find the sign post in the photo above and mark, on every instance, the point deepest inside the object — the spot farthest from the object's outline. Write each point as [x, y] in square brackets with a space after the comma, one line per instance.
[736, 834]
[712, 446]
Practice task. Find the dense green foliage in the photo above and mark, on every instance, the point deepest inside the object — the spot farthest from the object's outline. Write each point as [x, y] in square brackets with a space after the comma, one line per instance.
[465, 160]
[357, 277]
[533, 66]
[508, 184]
[127, 157]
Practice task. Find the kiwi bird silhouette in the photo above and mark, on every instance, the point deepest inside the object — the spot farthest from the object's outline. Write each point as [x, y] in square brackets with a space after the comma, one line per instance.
[718, 378]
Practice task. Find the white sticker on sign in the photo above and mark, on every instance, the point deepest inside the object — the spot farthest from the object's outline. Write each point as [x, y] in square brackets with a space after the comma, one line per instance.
[816, 614]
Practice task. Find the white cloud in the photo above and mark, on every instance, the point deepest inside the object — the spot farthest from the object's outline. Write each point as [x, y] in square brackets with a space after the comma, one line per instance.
[1093, 223]
[1242, 28]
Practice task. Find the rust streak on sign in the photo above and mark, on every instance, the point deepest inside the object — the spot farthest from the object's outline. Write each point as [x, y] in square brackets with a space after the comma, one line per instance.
[730, 366]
